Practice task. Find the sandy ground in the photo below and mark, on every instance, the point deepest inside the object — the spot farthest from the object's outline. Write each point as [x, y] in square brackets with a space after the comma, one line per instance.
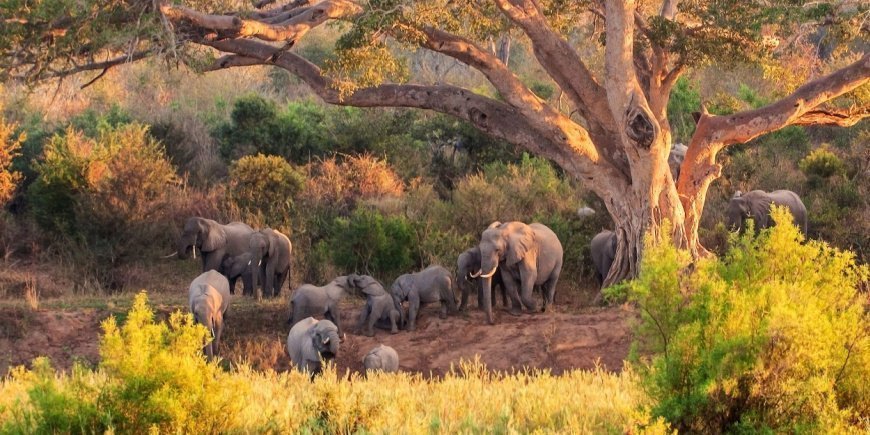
[565, 339]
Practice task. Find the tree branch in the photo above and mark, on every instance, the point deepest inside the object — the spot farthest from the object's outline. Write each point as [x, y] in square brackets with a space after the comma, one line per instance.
[126, 58]
[797, 108]
[491, 116]
[234, 27]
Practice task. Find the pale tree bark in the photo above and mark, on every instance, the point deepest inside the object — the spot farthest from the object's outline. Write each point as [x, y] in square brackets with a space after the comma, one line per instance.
[619, 149]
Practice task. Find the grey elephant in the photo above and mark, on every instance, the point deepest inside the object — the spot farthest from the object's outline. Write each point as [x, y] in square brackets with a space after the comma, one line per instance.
[468, 277]
[675, 159]
[270, 254]
[756, 205]
[310, 300]
[381, 358]
[432, 284]
[239, 266]
[380, 308]
[310, 342]
[214, 241]
[603, 251]
[525, 256]
[209, 300]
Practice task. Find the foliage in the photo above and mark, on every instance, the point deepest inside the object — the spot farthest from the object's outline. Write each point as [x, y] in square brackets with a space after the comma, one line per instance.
[685, 99]
[340, 183]
[107, 197]
[370, 242]
[774, 337]
[153, 377]
[10, 144]
[265, 186]
[822, 163]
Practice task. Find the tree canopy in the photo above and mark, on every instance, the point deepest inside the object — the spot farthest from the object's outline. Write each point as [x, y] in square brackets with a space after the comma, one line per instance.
[615, 63]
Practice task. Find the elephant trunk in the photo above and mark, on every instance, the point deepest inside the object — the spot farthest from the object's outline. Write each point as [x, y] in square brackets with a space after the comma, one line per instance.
[490, 264]
[256, 261]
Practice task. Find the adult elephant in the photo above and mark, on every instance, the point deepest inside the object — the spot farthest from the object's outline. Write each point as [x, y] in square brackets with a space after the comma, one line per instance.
[270, 254]
[756, 205]
[468, 276]
[603, 250]
[209, 300]
[215, 241]
[675, 159]
[525, 256]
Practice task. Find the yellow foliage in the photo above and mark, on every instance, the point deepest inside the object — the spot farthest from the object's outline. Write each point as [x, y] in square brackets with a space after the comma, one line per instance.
[153, 376]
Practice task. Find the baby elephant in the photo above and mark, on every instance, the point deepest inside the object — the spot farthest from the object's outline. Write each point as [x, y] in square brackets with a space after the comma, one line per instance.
[209, 299]
[380, 306]
[309, 300]
[236, 267]
[310, 342]
[383, 358]
[433, 284]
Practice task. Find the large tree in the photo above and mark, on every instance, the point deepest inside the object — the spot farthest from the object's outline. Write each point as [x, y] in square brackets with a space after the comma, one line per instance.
[614, 136]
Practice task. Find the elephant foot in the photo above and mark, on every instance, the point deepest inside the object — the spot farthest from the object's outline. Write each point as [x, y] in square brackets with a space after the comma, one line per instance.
[369, 334]
[516, 312]
[394, 331]
[442, 315]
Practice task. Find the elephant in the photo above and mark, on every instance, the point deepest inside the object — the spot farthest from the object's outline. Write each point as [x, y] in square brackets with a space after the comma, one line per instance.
[381, 358]
[433, 284]
[310, 342]
[603, 250]
[675, 159]
[209, 299]
[380, 306]
[309, 300]
[467, 265]
[214, 241]
[525, 256]
[756, 205]
[239, 267]
[270, 253]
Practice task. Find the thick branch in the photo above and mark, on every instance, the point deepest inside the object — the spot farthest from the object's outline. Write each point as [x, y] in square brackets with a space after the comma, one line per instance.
[796, 108]
[496, 118]
[538, 113]
[235, 27]
[833, 117]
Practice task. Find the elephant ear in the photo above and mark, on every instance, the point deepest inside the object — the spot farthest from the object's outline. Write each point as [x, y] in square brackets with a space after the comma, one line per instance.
[520, 243]
[494, 225]
[213, 237]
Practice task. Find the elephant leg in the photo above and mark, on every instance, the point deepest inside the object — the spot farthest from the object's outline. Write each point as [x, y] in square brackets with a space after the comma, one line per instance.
[480, 295]
[394, 318]
[448, 297]
[233, 285]
[363, 316]
[279, 282]
[528, 287]
[463, 303]
[269, 283]
[511, 288]
[373, 318]
[504, 296]
[334, 316]
[413, 307]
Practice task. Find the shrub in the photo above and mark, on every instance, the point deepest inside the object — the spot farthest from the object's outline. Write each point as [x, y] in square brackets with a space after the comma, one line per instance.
[265, 186]
[10, 144]
[372, 243]
[154, 378]
[773, 337]
[110, 198]
[340, 184]
[822, 163]
[685, 99]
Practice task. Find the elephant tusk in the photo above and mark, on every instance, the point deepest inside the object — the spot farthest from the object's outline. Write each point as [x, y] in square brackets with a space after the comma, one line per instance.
[249, 262]
[259, 263]
[490, 274]
[475, 274]
[170, 255]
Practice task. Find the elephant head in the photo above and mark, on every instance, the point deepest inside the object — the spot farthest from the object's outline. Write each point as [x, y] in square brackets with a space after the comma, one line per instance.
[206, 311]
[325, 340]
[675, 159]
[510, 244]
[205, 234]
[742, 207]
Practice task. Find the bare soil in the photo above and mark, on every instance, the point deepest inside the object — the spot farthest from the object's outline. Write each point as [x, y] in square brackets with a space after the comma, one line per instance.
[256, 333]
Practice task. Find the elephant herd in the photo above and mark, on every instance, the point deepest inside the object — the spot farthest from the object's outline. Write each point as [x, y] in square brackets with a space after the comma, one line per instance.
[513, 257]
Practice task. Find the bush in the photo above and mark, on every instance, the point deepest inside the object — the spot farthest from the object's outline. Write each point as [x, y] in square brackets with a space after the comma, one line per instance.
[822, 163]
[340, 184]
[153, 378]
[111, 200]
[10, 144]
[685, 99]
[265, 186]
[773, 337]
[372, 243]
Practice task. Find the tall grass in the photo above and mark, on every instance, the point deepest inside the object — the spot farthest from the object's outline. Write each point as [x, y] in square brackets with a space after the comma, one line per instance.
[152, 376]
